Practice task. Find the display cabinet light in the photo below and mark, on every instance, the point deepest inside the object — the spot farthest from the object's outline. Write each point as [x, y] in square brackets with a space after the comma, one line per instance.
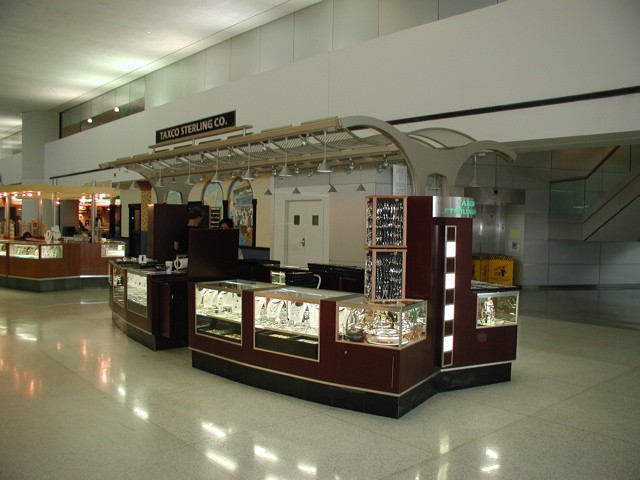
[116, 109]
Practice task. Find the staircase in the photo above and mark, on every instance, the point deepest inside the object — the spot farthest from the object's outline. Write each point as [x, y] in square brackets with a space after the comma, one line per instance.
[604, 205]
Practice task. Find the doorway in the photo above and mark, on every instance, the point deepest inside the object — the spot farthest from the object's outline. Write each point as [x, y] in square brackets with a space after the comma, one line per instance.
[304, 239]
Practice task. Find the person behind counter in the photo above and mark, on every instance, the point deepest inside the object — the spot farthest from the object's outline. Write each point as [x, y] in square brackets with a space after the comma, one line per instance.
[181, 244]
[26, 236]
[225, 223]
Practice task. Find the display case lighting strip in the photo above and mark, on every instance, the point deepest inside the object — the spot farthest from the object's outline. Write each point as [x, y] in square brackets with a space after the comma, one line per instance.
[450, 232]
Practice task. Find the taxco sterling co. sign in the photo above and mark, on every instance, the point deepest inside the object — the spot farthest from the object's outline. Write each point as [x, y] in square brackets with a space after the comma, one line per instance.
[454, 207]
[203, 125]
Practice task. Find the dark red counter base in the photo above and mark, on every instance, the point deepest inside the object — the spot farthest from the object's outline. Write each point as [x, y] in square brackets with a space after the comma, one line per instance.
[385, 405]
[448, 380]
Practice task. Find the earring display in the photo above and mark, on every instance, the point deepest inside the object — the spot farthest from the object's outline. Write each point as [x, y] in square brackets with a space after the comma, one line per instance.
[385, 221]
[386, 249]
[384, 275]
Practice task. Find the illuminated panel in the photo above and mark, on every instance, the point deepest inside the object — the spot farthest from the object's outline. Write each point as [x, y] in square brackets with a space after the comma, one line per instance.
[449, 293]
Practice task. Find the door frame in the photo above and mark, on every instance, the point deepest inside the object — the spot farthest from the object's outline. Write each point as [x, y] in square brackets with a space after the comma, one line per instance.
[281, 209]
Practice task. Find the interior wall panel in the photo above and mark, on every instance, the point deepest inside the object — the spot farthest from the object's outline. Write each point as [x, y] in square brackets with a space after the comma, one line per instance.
[313, 32]
[276, 43]
[396, 15]
[218, 65]
[193, 74]
[245, 54]
[354, 21]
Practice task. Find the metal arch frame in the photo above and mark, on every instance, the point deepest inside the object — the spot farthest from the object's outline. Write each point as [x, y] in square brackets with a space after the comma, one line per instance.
[423, 160]
[270, 149]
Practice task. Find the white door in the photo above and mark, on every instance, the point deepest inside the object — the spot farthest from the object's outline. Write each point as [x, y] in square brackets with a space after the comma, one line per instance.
[305, 233]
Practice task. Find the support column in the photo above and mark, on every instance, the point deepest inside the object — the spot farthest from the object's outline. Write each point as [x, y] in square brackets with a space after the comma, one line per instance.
[38, 128]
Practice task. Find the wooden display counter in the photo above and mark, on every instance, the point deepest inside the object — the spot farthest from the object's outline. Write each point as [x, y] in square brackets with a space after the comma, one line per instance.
[41, 267]
[149, 305]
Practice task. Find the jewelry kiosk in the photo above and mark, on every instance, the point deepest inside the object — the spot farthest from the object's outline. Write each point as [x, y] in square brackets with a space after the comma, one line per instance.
[418, 329]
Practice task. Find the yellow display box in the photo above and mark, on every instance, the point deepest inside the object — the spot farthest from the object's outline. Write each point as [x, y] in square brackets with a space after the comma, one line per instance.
[499, 269]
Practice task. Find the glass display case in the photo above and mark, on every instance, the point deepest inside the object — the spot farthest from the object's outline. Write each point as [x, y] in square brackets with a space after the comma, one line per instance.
[112, 249]
[3, 248]
[219, 308]
[117, 279]
[287, 320]
[137, 291]
[35, 251]
[387, 325]
[496, 309]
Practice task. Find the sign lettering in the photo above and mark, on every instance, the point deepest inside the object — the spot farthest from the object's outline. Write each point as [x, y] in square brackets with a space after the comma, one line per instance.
[203, 125]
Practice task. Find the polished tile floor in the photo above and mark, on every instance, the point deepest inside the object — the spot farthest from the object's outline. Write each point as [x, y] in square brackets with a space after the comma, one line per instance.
[79, 400]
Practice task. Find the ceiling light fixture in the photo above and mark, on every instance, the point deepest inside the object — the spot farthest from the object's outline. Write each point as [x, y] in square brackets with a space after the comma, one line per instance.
[296, 191]
[332, 189]
[324, 167]
[189, 181]
[217, 178]
[361, 187]
[285, 169]
[160, 182]
[248, 175]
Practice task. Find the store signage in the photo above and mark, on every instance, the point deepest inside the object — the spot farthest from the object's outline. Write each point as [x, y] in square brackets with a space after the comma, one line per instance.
[454, 207]
[400, 180]
[203, 125]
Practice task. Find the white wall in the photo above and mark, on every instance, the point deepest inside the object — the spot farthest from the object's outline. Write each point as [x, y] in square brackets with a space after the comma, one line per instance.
[519, 50]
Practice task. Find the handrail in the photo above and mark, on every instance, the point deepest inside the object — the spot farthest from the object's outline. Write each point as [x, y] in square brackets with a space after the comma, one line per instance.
[593, 170]
[578, 194]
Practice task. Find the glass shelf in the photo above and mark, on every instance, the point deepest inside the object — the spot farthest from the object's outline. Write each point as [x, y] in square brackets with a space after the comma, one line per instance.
[382, 325]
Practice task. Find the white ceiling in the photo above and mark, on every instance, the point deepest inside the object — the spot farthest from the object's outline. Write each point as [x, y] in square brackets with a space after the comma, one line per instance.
[55, 54]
